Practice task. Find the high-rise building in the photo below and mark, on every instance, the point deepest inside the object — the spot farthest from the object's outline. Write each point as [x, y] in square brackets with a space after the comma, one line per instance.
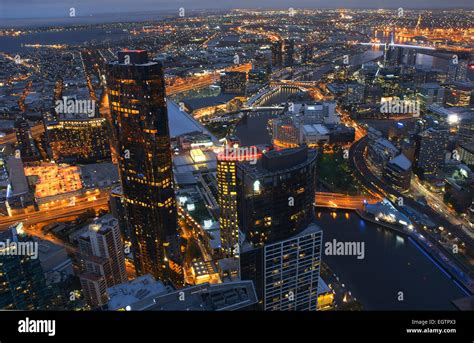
[397, 173]
[393, 56]
[136, 89]
[277, 54]
[285, 273]
[281, 252]
[430, 93]
[234, 82]
[78, 139]
[457, 71]
[306, 54]
[22, 282]
[431, 150]
[227, 198]
[102, 255]
[289, 52]
[25, 143]
[276, 195]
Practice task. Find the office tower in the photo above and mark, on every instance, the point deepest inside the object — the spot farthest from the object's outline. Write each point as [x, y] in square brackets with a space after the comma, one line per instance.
[227, 199]
[457, 71]
[306, 54]
[136, 91]
[397, 173]
[277, 54]
[289, 52]
[285, 273]
[234, 82]
[25, 142]
[431, 151]
[22, 282]
[102, 255]
[276, 195]
[393, 56]
[77, 139]
[282, 248]
[430, 93]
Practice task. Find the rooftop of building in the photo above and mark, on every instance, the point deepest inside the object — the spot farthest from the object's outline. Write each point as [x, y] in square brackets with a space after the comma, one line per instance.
[198, 103]
[225, 296]
[129, 293]
[275, 162]
[311, 129]
[401, 161]
[102, 224]
[99, 174]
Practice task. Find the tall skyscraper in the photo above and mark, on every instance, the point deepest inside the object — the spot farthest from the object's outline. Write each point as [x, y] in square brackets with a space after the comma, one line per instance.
[276, 195]
[431, 150]
[22, 282]
[227, 198]
[102, 254]
[289, 52]
[277, 54]
[25, 142]
[457, 70]
[136, 89]
[281, 252]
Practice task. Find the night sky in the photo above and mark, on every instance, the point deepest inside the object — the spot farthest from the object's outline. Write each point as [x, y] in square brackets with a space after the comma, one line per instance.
[10, 9]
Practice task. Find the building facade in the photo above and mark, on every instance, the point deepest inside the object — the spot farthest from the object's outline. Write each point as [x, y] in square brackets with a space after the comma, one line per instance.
[140, 118]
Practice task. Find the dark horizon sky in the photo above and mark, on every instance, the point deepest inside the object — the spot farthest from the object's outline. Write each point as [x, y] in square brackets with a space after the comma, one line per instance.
[11, 9]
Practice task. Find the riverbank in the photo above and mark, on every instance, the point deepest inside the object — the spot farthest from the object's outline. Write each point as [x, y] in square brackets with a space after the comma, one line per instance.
[439, 259]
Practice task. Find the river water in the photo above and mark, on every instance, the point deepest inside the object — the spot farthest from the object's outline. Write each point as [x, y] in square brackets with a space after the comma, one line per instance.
[392, 264]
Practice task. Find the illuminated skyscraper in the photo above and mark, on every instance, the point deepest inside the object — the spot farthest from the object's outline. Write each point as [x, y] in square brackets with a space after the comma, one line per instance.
[289, 52]
[431, 151]
[276, 195]
[282, 250]
[140, 117]
[227, 198]
[277, 54]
